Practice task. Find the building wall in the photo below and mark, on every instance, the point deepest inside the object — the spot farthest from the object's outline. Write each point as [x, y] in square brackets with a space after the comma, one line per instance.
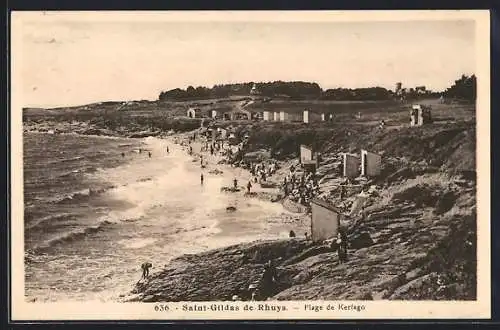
[276, 116]
[296, 116]
[325, 222]
[351, 166]
[315, 117]
[306, 153]
[373, 163]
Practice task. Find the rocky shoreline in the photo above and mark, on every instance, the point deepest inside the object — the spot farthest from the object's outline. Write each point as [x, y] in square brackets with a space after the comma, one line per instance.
[418, 241]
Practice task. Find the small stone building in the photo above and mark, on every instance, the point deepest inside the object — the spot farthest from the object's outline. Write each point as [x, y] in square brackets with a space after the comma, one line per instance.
[371, 163]
[311, 117]
[420, 115]
[351, 165]
[290, 116]
[325, 220]
[306, 153]
[194, 113]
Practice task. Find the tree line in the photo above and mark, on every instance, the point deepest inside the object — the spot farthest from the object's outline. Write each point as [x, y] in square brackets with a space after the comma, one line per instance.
[464, 88]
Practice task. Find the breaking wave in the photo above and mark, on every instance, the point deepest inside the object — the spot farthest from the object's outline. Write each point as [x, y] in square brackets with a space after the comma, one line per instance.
[71, 236]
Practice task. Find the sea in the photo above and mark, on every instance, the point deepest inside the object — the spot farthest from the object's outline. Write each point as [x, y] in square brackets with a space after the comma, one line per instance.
[96, 208]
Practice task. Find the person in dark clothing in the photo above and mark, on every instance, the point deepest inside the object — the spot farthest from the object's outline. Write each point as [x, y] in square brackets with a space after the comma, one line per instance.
[168, 151]
[140, 150]
[235, 183]
[201, 178]
[249, 186]
[123, 154]
[342, 246]
[269, 279]
[291, 234]
[342, 192]
[145, 269]
[149, 154]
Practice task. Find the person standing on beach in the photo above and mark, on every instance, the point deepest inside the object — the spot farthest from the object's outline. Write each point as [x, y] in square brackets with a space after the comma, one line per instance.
[235, 183]
[201, 178]
[149, 153]
[140, 150]
[168, 151]
[145, 269]
[249, 186]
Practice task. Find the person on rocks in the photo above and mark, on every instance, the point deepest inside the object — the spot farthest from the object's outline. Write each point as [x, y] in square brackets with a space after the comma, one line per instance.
[145, 269]
[342, 192]
[269, 279]
[342, 246]
[235, 183]
[249, 186]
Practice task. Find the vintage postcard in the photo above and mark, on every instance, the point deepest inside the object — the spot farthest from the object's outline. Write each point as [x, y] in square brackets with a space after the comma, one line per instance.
[250, 165]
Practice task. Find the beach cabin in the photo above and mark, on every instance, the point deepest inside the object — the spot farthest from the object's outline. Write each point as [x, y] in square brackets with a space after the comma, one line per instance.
[309, 159]
[290, 116]
[306, 153]
[325, 220]
[267, 115]
[311, 117]
[420, 115]
[276, 116]
[351, 165]
[371, 163]
[194, 113]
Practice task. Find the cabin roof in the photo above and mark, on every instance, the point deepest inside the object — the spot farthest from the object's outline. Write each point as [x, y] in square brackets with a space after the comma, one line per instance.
[326, 205]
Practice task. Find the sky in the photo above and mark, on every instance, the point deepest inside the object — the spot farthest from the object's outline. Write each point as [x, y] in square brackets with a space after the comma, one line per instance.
[76, 61]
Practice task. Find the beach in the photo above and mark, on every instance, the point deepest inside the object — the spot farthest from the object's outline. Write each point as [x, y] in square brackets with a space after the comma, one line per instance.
[87, 235]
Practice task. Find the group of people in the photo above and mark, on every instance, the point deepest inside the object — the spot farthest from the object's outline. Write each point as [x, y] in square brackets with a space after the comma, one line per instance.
[262, 171]
[140, 151]
[300, 188]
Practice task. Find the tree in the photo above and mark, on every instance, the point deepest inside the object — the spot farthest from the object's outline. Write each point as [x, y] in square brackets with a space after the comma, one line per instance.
[464, 88]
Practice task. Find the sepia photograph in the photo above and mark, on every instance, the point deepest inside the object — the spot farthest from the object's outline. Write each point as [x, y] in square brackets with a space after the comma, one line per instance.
[250, 165]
